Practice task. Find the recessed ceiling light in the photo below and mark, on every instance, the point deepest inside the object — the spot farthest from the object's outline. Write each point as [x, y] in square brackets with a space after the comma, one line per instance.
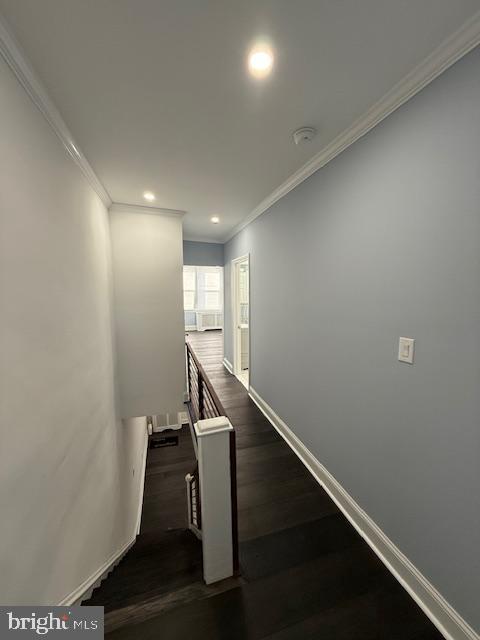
[260, 61]
[215, 219]
[148, 195]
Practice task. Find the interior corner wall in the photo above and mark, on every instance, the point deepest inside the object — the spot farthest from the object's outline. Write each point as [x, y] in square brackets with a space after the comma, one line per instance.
[68, 492]
[148, 306]
[202, 254]
[384, 242]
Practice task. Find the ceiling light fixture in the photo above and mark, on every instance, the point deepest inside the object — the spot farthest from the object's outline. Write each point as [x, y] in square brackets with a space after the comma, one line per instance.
[260, 61]
[148, 195]
[215, 219]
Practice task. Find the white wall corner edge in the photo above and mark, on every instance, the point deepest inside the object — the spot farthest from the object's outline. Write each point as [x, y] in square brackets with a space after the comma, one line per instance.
[85, 589]
[142, 481]
[439, 611]
[228, 365]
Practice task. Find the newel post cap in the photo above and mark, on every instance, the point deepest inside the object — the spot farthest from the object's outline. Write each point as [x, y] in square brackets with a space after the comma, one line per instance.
[210, 426]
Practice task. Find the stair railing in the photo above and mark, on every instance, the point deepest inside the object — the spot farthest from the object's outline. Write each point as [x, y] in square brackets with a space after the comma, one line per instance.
[212, 489]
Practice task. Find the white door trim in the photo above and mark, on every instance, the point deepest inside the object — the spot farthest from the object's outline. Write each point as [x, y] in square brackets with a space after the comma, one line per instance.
[235, 332]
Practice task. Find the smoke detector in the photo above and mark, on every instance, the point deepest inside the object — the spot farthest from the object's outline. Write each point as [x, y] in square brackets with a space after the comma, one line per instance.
[305, 134]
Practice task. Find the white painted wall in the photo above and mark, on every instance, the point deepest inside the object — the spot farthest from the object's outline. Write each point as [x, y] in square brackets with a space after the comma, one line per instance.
[147, 269]
[69, 470]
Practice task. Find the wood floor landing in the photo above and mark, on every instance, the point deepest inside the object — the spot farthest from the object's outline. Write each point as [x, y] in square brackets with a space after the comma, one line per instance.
[306, 573]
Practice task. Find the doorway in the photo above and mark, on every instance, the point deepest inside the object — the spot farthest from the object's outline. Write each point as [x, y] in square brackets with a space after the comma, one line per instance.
[241, 318]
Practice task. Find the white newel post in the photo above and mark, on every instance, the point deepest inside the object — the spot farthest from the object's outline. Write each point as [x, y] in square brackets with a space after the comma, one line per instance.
[215, 494]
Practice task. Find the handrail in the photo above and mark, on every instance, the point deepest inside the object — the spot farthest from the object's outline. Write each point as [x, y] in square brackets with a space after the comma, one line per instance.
[220, 411]
[204, 403]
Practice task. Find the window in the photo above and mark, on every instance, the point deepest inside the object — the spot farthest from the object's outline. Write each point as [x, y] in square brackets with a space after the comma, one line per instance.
[212, 287]
[212, 280]
[212, 300]
[202, 290]
[189, 288]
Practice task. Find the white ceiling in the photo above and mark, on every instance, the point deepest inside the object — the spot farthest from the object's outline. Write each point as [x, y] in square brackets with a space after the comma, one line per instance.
[157, 95]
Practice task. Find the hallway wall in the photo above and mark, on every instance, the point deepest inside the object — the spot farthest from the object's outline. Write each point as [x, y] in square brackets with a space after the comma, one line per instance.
[384, 242]
[70, 471]
[148, 310]
[202, 254]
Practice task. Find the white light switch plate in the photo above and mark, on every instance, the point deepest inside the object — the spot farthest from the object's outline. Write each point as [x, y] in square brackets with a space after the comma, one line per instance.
[406, 349]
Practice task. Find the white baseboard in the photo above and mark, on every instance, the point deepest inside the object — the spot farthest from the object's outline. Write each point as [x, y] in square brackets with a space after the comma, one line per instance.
[228, 365]
[84, 590]
[440, 612]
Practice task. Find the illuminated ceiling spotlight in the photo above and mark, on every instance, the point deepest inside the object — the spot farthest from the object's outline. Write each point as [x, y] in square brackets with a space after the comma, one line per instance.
[260, 61]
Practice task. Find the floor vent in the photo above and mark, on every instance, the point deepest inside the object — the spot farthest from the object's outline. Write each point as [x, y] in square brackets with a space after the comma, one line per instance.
[163, 441]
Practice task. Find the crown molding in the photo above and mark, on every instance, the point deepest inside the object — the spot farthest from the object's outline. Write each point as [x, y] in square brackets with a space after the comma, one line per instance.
[121, 207]
[466, 38]
[452, 49]
[202, 239]
[18, 63]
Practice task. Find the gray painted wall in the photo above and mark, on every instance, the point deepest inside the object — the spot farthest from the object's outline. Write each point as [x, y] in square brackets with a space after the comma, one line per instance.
[202, 254]
[385, 242]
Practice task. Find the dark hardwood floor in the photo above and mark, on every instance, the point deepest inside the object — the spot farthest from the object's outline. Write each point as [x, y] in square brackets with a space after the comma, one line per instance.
[305, 572]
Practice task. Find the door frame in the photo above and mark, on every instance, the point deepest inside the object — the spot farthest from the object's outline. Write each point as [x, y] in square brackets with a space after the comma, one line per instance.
[236, 335]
